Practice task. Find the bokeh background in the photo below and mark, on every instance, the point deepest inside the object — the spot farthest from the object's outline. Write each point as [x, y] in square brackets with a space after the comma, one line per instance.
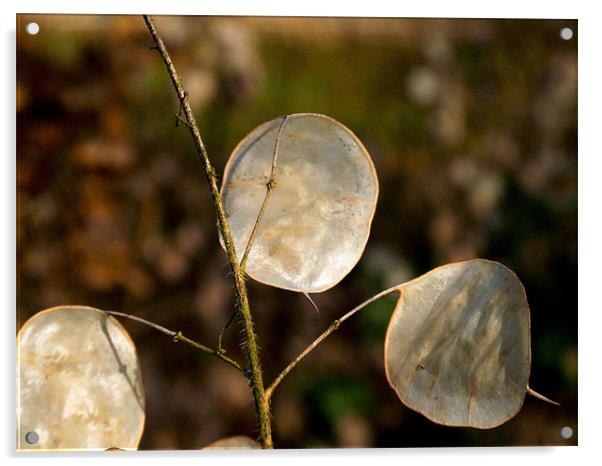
[472, 126]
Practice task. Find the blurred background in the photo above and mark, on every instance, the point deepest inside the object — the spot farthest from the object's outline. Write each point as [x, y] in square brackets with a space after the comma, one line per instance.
[472, 126]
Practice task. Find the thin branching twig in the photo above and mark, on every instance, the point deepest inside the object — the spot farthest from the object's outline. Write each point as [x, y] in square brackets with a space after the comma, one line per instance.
[220, 338]
[262, 406]
[334, 325]
[178, 336]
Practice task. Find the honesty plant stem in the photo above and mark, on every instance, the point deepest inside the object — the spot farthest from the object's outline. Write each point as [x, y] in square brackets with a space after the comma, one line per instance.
[262, 405]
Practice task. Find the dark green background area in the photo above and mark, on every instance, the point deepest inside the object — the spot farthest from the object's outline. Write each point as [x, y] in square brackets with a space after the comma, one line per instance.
[472, 126]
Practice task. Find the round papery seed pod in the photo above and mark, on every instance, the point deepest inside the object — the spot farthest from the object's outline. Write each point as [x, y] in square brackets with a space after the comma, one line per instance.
[240, 442]
[79, 385]
[457, 348]
[316, 223]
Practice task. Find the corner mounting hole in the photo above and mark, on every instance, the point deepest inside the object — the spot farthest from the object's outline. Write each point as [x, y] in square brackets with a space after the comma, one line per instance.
[32, 28]
[566, 432]
[32, 437]
[566, 33]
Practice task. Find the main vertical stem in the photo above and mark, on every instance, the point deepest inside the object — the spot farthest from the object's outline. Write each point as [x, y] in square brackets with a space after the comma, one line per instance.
[262, 404]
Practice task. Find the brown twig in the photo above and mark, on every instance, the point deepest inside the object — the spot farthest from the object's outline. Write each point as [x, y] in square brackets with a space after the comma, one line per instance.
[220, 338]
[334, 325]
[178, 336]
[262, 406]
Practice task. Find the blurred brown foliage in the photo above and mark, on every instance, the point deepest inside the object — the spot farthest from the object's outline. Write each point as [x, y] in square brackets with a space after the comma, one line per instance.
[472, 125]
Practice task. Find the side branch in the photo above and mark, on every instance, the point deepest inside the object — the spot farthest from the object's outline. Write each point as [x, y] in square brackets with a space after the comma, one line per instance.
[334, 325]
[178, 336]
[270, 185]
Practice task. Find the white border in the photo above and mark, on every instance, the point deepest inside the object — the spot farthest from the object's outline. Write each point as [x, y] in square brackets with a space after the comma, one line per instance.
[590, 233]
[429, 8]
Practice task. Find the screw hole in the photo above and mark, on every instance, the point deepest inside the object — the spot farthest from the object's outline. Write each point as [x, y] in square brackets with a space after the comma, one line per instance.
[32, 437]
[566, 33]
[566, 432]
[32, 28]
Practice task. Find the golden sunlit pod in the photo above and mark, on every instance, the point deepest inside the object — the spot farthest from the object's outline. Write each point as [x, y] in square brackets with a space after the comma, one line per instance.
[79, 385]
[457, 349]
[317, 221]
[239, 442]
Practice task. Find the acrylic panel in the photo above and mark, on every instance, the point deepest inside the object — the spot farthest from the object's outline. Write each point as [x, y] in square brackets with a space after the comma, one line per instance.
[273, 232]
